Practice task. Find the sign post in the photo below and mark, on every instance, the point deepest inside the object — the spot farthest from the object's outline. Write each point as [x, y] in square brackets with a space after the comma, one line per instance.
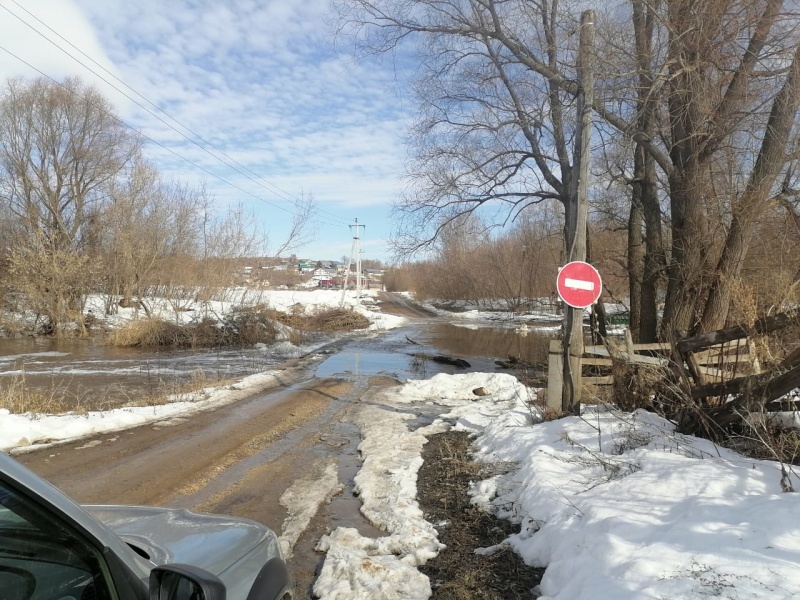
[579, 286]
[576, 213]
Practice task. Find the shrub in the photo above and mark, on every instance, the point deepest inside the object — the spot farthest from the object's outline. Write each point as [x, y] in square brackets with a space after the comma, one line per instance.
[152, 333]
[19, 399]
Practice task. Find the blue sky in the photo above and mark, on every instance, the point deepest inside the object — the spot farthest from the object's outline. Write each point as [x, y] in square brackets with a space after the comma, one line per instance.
[261, 80]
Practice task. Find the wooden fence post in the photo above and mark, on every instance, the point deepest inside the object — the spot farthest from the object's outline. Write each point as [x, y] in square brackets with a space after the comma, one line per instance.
[555, 375]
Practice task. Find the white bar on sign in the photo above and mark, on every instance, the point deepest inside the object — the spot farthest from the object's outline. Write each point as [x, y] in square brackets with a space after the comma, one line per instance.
[579, 284]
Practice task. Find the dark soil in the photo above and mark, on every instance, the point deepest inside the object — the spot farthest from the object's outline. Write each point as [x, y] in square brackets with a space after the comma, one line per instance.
[457, 572]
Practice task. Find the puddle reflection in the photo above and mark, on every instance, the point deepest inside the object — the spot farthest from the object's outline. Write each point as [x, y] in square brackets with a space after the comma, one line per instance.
[412, 347]
[524, 344]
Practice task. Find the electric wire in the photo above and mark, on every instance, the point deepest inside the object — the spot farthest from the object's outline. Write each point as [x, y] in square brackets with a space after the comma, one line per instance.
[157, 143]
[252, 176]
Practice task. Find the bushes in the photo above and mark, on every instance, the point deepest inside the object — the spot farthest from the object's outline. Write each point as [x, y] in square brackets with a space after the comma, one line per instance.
[243, 326]
[334, 320]
[337, 320]
[248, 326]
[150, 333]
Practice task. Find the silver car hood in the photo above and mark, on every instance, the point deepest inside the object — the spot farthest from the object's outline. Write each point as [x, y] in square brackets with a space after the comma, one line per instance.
[212, 542]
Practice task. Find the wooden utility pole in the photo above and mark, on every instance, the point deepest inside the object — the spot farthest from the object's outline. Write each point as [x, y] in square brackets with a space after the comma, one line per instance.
[576, 213]
[358, 251]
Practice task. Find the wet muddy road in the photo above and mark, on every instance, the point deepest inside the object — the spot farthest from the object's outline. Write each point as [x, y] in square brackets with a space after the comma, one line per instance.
[240, 459]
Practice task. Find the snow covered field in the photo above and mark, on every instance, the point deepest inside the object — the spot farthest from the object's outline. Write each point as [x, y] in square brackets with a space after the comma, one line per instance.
[616, 506]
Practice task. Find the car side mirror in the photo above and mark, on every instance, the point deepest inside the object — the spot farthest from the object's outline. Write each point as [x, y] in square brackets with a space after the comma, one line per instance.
[184, 582]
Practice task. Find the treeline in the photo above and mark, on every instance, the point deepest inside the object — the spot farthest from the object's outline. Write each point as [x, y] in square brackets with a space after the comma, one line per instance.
[693, 148]
[519, 264]
[82, 211]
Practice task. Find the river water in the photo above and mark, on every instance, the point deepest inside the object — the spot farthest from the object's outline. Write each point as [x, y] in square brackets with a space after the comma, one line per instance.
[91, 375]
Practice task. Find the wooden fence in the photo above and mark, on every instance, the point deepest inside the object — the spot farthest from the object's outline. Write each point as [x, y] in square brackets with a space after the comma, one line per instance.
[713, 365]
[719, 365]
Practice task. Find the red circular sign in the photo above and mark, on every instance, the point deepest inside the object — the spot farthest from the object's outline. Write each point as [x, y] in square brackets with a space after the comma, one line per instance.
[579, 284]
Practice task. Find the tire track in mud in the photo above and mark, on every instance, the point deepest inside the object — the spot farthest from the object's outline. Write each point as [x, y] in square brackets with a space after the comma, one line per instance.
[239, 460]
[305, 406]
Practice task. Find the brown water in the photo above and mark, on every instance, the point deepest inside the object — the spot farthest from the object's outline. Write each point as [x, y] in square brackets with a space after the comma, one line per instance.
[91, 375]
[402, 353]
[497, 342]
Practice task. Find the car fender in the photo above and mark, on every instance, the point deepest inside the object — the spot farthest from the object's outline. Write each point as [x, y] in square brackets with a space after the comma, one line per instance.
[273, 582]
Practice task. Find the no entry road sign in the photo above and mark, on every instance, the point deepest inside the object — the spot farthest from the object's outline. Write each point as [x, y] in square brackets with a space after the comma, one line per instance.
[579, 284]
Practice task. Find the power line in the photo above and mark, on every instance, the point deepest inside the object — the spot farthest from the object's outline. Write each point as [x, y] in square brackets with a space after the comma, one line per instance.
[280, 193]
[157, 143]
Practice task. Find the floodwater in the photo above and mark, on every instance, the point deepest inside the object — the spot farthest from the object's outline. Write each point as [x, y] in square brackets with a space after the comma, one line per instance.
[91, 375]
[405, 353]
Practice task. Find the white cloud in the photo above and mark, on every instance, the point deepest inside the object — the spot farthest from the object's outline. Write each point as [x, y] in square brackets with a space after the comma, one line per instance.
[41, 34]
[259, 80]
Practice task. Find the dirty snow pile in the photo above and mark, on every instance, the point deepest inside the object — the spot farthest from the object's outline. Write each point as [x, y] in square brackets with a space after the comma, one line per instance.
[29, 430]
[616, 506]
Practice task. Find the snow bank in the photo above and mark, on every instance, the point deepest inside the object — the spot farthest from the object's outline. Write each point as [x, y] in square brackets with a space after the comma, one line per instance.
[26, 431]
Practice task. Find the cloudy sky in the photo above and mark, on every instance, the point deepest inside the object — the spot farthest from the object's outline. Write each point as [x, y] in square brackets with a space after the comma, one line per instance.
[262, 81]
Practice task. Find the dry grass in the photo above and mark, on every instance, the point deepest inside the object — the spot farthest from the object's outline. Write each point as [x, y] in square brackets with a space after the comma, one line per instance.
[150, 333]
[242, 327]
[771, 443]
[333, 320]
[177, 390]
[18, 398]
[552, 414]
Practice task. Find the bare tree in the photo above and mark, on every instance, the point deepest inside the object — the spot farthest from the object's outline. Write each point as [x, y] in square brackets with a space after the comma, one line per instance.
[302, 229]
[491, 131]
[712, 105]
[54, 283]
[145, 221]
[60, 146]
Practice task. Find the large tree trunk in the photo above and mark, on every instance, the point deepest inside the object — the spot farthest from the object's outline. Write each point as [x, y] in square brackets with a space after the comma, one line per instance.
[769, 163]
[688, 186]
[645, 251]
[687, 263]
[645, 180]
[636, 258]
[654, 255]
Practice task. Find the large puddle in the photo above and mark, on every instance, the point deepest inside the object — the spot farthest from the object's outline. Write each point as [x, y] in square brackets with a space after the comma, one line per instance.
[409, 352]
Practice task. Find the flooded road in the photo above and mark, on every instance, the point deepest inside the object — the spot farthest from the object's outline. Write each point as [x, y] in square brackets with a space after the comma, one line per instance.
[92, 375]
[244, 458]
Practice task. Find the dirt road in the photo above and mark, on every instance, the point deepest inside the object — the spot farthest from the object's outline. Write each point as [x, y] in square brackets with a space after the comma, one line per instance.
[400, 305]
[237, 460]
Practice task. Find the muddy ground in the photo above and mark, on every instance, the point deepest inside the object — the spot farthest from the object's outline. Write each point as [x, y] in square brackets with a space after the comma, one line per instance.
[239, 459]
[442, 492]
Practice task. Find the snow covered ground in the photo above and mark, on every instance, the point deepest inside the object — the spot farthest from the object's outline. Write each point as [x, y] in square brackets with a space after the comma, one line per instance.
[616, 506]
[309, 301]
